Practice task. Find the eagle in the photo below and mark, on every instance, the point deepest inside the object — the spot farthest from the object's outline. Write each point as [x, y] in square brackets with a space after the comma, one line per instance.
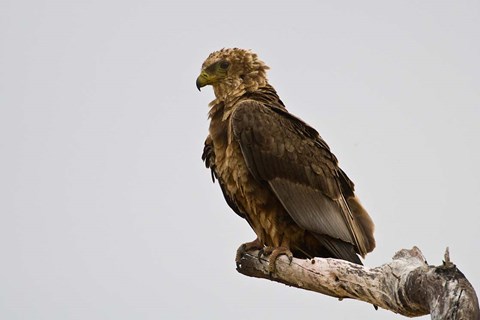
[275, 171]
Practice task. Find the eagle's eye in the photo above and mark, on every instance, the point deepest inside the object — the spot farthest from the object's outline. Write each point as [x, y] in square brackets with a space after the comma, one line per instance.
[224, 65]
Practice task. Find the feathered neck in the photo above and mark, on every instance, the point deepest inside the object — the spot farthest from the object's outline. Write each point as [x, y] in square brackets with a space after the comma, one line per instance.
[230, 91]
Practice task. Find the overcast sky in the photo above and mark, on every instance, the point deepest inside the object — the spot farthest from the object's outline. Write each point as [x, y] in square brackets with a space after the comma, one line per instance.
[107, 211]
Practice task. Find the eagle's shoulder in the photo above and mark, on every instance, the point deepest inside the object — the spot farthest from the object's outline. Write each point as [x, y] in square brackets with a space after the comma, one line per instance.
[275, 143]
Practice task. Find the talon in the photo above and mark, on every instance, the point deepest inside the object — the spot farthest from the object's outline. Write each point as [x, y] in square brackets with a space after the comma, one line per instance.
[245, 247]
[259, 255]
[274, 254]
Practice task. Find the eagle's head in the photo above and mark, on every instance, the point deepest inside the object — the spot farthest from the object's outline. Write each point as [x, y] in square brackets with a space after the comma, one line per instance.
[232, 72]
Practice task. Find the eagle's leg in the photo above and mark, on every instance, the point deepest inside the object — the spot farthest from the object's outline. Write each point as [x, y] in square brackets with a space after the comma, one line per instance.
[254, 245]
[274, 253]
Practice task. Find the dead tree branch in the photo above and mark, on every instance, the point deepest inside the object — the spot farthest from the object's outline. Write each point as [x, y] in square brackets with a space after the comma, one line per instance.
[407, 285]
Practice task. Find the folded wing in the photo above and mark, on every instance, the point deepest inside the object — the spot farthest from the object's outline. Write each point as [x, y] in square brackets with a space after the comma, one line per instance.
[284, 152]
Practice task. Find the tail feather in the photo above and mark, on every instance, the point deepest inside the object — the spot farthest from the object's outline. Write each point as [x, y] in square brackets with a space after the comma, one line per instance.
[340, 249]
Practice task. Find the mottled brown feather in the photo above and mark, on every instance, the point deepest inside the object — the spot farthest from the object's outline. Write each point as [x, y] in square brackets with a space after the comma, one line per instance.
[276, 171]
[305, 177]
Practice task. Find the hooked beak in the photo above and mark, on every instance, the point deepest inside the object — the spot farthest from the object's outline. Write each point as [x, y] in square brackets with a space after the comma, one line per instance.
[204, 79]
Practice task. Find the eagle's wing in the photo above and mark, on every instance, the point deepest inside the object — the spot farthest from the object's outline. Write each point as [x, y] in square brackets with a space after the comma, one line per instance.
[284, 152]
[208, 156]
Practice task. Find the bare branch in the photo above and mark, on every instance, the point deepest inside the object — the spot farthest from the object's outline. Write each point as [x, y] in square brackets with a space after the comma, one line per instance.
[407, 285]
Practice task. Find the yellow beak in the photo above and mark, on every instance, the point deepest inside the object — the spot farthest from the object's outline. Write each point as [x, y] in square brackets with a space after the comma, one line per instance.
[204, 79]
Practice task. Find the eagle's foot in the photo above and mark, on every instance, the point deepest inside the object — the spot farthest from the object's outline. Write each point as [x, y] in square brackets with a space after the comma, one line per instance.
[274, 253]
[254, 245]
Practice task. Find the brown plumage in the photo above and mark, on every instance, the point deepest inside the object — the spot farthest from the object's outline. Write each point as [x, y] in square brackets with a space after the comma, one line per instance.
[274, 170]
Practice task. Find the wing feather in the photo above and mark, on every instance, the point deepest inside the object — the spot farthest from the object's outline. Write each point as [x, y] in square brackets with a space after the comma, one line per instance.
[284, 152]
[318, 213]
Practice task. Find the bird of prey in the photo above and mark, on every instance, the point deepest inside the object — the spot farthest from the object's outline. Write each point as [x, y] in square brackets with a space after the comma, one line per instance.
[275, 171]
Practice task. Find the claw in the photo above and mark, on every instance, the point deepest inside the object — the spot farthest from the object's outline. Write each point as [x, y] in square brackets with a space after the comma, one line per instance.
[274, 254]
[271, 252]
[261, 253]
[245, 247]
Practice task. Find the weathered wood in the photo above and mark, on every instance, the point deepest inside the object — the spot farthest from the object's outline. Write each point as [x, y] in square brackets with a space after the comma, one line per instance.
[407, 285]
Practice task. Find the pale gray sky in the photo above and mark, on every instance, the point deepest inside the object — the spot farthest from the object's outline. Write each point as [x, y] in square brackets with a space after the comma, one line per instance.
[107, 211]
